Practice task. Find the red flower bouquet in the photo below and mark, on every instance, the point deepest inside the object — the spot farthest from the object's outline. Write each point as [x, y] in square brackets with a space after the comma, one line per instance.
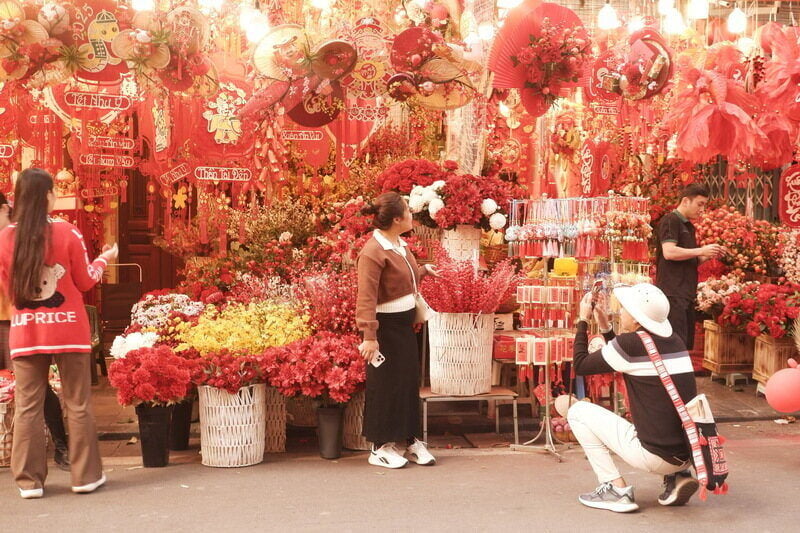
[226, 370]
[460, 288]
[326, 366]
[403, 175]
[763, 308]
[329, 299]
[151, 375]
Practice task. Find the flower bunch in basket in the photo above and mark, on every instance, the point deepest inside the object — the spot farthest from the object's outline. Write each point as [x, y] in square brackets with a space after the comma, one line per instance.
[153, 310]
[246, 328]
[328, 298]
[151, 375]
[326, 367]
[763, 308]
[750, 245]
[789, 254]
[711, 294]
[226, 369]
[404, 175]
[133, 340]
[461, 288]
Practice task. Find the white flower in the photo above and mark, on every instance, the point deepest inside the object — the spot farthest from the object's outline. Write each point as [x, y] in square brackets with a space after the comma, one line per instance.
[286, 236]
[437, 185]
[429, 194]
[417, 190]
[143, 36]
[434, 207]
[133, 341]
[416, 204]
[488, 207]
[497, 221]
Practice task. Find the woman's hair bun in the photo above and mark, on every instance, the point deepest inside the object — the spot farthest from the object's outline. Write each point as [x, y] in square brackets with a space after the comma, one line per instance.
[369, 209]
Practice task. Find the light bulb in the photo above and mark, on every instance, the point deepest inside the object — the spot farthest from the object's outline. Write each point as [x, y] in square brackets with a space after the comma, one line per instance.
[745, 45]
[665, 7]
[607, 18]
[257, 27]
[673, 22]
[737, 21]
[322, 5]
[697, 10]
[143, 5]
[504, 110]
[635, 24]
[486, 31]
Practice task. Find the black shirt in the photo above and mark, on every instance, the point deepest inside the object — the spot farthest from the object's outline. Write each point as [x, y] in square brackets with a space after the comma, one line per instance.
[677, 279]
[654, 416]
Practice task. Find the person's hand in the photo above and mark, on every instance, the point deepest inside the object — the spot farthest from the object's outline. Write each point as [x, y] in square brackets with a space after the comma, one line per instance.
[432, 271]
[368, 350]
[585, 311]
[110, 252]
[710, 251]
[601, 312]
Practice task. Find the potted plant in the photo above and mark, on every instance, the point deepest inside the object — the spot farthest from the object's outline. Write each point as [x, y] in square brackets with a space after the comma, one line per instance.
[326, 368]
[153, 379]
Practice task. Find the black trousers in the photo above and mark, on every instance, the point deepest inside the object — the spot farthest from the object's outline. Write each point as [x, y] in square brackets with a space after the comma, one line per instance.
[682, 317]
[391, 411]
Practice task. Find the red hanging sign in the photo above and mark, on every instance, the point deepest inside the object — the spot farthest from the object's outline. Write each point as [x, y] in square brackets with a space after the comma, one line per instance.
[6, 151]
[302, 135]
[174, 175]
[99, 192]
[110, 102]
[223, 174]
[111, 143]
[107, 160]
[789, 197]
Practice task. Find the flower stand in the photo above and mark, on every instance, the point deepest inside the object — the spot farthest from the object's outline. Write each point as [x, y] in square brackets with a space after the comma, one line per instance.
[300, 412]
[232, 426]
[462, 243]
[154, 425]
[727, 350]
[461, 353]
[6, 432]
[330, 426]
[354, 423]
[275, 422]
[771, 355]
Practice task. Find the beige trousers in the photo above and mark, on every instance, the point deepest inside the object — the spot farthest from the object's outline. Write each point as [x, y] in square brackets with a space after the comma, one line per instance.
[28, 454]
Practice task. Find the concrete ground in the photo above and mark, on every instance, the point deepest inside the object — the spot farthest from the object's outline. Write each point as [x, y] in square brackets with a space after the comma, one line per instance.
[492, 489]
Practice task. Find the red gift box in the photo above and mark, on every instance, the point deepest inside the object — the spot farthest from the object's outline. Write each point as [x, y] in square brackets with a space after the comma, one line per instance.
[505, 347]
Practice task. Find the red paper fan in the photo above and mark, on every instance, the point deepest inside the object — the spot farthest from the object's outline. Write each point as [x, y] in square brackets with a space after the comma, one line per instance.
[318, 109]
[413, 47]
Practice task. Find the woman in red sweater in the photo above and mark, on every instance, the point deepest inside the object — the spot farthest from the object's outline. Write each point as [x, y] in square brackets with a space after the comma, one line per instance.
[44, 273]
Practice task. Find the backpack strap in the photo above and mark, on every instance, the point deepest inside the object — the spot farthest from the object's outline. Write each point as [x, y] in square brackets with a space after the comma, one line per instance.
[688, 424]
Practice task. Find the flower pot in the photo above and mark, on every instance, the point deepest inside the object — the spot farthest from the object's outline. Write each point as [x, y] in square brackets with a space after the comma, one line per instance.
[461, 353]
[154, 425]
[330, 422]
[462, 243]
[727, 349]
[232, 426]
[181, 424]
[771, 355]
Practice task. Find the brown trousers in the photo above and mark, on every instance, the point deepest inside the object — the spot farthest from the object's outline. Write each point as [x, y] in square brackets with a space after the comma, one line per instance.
[28, 453]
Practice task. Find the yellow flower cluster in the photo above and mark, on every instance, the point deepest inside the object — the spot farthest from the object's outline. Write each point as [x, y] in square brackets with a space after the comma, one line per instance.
[244, 328]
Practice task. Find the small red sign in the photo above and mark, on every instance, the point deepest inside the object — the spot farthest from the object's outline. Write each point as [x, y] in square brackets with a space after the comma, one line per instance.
[111, 102]
[6, 151]
[99, 192]
[223, 174]
[174, 175]
[113, 143]
[107, 160]
[789, 197]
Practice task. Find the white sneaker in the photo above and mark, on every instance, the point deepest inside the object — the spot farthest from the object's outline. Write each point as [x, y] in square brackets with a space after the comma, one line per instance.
[387, 457]
[31, 494]
[91, 487]
[419, 453]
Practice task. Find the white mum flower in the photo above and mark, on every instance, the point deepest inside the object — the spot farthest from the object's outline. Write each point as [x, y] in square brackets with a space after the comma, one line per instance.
[488, 207]
[497, 221]
[416, 204]
[437, 185]
[429, 194]
[435, 206]
[417, 190]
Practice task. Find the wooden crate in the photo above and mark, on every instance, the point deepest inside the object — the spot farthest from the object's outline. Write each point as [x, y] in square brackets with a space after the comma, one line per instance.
[727, 350]
[771, 355]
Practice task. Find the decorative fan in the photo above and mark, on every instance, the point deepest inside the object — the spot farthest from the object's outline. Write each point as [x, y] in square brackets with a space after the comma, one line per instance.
[145, 46]
[26, 47]
[189, 70]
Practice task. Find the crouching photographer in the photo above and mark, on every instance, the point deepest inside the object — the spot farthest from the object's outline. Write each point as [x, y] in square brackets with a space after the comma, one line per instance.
[655, 442]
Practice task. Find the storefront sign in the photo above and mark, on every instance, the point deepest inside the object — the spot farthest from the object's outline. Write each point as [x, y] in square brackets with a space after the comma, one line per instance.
[107, 160]
[99, 192]
[301, 135]
[6, 151]
[113, 143]
[173, 175]
[223, 174]
[115, 102]
[789, 197]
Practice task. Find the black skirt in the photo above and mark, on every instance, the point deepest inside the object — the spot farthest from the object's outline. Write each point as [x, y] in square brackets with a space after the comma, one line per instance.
[391, 411]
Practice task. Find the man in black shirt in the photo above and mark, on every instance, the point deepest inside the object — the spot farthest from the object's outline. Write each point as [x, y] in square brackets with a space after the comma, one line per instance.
[655, 441]
[678, 257]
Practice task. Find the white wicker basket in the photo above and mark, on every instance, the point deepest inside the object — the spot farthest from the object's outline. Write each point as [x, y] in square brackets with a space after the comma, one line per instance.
[461, 353]
[300, 412]
[276, 422]
[354, 423]
[232, 426]
[6, 432]
[462, 243]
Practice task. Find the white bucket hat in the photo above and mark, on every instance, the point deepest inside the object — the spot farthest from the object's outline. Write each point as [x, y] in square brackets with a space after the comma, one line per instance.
[648, 306]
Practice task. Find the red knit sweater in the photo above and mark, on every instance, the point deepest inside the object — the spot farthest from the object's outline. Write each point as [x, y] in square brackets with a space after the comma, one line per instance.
[56, 322]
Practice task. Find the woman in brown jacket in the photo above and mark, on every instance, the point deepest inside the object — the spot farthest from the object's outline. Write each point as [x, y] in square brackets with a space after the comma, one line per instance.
[388, 276]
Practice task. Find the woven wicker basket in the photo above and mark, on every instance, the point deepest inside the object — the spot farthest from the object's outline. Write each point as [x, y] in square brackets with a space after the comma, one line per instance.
[276, 422]
[462, 243]
[354, 423]
[300, 412]
[461, 353]
[6, 432]
[427, 237]
[232, 426]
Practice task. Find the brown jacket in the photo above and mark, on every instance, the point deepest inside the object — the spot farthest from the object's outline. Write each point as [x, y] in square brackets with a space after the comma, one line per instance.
[383, 276]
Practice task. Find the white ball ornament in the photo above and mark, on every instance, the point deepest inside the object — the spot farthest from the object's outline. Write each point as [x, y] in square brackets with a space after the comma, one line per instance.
[488, 207]
[497, 221]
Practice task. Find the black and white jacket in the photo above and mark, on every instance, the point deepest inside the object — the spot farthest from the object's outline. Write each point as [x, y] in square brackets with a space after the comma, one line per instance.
[654, 416]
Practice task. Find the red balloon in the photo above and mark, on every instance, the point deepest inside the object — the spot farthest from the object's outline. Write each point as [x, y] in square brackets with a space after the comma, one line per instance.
[783, 390]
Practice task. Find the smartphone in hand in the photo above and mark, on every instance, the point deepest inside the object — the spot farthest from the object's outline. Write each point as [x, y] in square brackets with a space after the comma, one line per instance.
[378, 360]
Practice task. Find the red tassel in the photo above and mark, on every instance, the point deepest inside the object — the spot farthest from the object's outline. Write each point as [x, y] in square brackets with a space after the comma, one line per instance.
[721, 439]
[703, 493]
[703, 440]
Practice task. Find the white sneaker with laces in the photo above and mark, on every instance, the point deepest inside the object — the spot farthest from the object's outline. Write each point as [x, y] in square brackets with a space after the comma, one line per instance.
[419, 453]
[31, 494]
[387, 456]
[91, 487]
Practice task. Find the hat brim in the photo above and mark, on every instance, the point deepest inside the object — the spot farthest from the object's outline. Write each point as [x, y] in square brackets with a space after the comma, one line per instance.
[627, 297]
